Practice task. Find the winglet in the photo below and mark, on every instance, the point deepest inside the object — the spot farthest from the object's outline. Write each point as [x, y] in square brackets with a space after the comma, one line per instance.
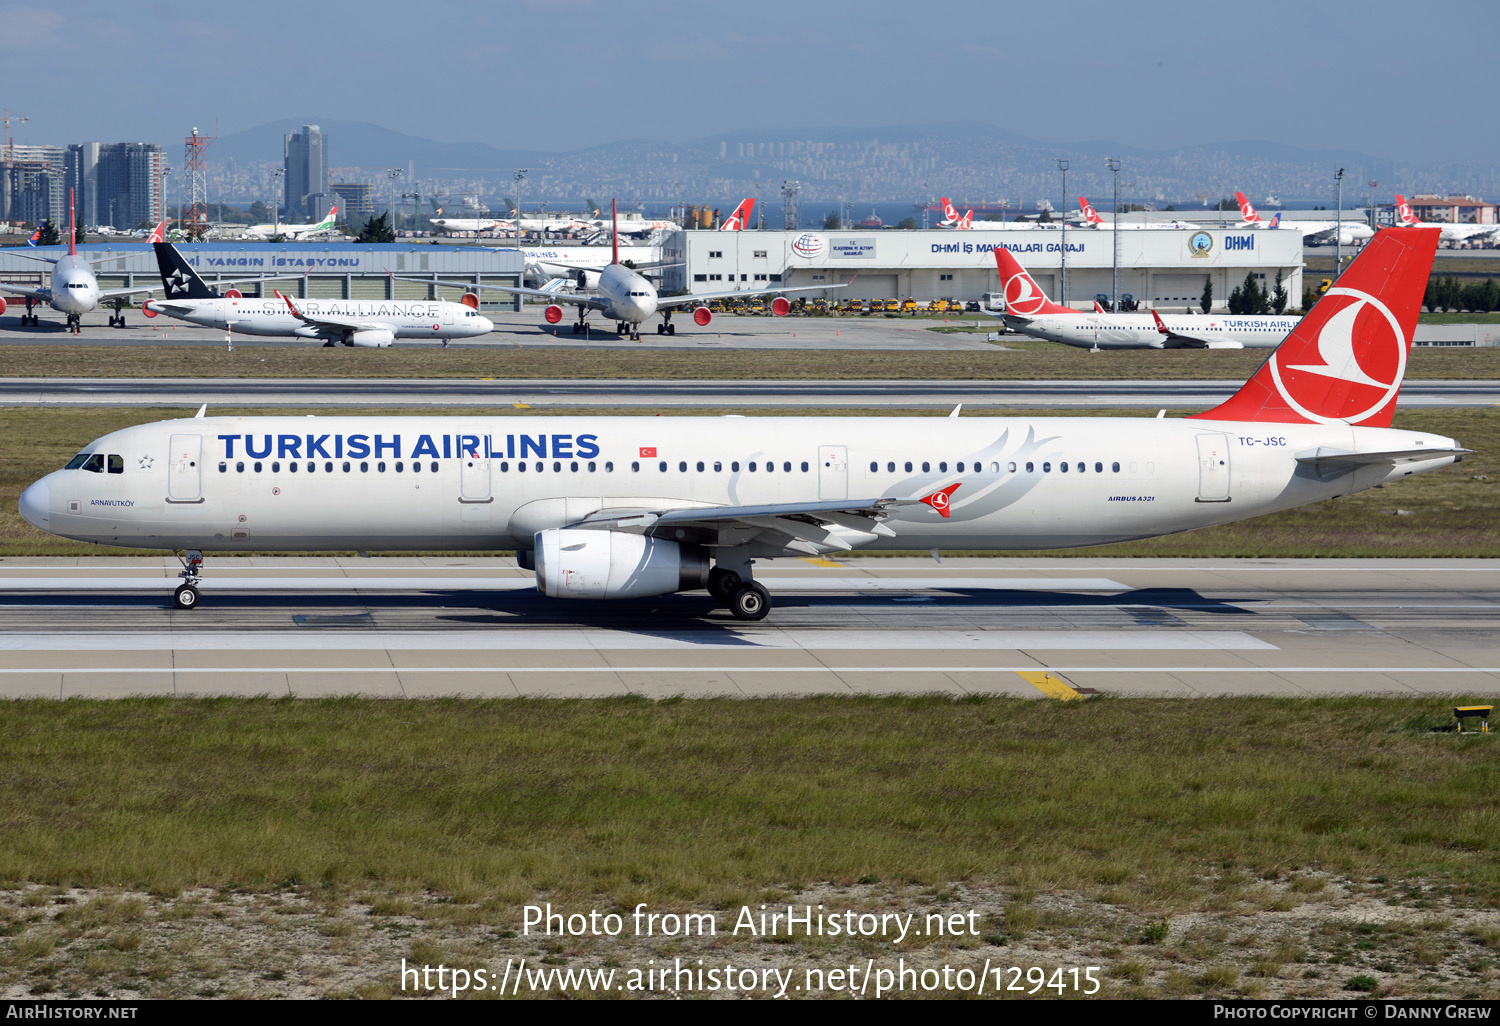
[941, 500]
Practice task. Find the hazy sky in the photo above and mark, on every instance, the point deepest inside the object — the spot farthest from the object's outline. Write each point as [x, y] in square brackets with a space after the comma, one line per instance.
[564, 74]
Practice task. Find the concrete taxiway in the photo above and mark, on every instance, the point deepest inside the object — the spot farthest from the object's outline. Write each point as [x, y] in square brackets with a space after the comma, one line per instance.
[333, 392]
[1032, 627]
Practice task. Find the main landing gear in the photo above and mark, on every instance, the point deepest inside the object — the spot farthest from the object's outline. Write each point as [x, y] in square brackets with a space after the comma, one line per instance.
[581, 327]
[28, 317]
[746, 600]
[117, 319]
[666, 327]
[186, 596]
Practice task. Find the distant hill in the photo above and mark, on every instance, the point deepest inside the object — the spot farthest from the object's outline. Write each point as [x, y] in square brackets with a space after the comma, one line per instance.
[360, 144]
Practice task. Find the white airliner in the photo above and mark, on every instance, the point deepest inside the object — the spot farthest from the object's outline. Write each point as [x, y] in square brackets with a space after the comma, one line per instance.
[354, 322]
[1030, 312]
[634, 507]
[582, 265]
[1348, 232]
[626, 298]
[448, 225]
[74, 291]
[1406, 218]
[1093, 220]
[951, 218]
[292, 232]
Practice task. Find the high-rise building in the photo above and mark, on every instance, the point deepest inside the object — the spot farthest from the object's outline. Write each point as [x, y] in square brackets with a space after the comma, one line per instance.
[356, 204]
[31, 185]
[306, 154]
[116, 184]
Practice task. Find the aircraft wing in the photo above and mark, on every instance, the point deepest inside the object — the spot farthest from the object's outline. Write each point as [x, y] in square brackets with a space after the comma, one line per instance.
[807, 528]
[45, 295]
[703, 297]
[559, 297]
[11, 251]
[1174, 339]
[112, 293]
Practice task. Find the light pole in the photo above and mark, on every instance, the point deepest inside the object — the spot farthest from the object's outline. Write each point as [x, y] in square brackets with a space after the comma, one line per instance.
[393, 173]
[276, 203]
[1338, 231]
[1062, 165]
[166, 208]
[520, 176]
[1113, 163]
[926, 204]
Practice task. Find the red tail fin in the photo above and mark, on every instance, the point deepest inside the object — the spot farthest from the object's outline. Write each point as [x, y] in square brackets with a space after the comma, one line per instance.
[1247, 211]
[740, 218]
[1022, 295]
[1404, 214]
[949, 214]
[1344, 361]
[72, 227]
[614, 228]
[1089, 213]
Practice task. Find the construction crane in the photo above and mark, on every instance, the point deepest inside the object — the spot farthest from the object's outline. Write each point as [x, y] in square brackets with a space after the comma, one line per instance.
[10, 146]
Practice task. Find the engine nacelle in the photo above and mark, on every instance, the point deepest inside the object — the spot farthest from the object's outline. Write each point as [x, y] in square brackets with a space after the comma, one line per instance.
[148, 310]
[583, 564]
[780, 307]
[553, 313]
[233, 294]
[2, 306]
[469, 300]
[702, 315]
[372, 338]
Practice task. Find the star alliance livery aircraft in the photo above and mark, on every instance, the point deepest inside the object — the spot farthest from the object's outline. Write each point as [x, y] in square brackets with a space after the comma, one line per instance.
[633, 507]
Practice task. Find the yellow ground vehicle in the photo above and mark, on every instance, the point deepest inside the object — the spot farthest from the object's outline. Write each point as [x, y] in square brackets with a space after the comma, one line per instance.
[758, 307]
[854, 306]
[909, 306]
[877, 305]
[820, 305]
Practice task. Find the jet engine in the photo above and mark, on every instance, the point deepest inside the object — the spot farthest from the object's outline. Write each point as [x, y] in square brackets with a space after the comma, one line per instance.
[780, 307]
[2, 306]
[371, 338]
[233, 294]
[147, 309]
[553, 313]
[702, 315]
[469, 300]
[584, 564]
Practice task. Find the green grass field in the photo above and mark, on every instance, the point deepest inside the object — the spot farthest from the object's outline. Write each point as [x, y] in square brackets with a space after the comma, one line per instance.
[1450, 512]
[1015, 360]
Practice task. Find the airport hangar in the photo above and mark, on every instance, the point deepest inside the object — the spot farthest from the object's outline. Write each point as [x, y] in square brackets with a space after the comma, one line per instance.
[317, 270]
[1163, 268]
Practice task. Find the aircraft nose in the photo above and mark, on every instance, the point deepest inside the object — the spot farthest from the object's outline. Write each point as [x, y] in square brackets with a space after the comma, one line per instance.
[36, 504]
[485, 325]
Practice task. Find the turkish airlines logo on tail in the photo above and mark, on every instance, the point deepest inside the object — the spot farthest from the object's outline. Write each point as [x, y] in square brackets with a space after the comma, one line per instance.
[1247, 212]
[1404, 214]
[1022, 295]
[740, 216]
[942, 500]
[1360, 345]
[1089, 213]
[949, 214]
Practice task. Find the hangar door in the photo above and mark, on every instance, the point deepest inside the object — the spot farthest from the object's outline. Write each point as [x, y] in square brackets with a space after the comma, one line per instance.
[1177, 288]
[867, 286]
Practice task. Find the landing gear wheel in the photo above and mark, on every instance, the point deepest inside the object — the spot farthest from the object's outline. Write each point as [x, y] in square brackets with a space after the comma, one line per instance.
[721, 583]
[661, 329]
[576, 329]
[671, 329]
[186, 597]
[750, 602]
[328, 345]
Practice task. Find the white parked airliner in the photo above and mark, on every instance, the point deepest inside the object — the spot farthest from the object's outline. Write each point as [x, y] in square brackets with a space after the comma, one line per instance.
[633, 507]
[1029, 312]
[354, 322]
[292, 232]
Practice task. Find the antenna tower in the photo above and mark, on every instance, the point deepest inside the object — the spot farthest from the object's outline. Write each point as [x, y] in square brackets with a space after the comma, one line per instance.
[789, 191]
[195, 218]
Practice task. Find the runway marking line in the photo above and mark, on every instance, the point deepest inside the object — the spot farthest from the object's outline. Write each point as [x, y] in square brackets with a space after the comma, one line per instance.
[1050, 684]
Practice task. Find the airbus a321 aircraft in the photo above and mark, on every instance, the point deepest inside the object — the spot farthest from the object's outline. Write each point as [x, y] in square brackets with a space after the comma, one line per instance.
[293, 232]
[354, 322]
[1030, 312]
[1407, 218]
[628, 299]
[74, 290]
[633, 507]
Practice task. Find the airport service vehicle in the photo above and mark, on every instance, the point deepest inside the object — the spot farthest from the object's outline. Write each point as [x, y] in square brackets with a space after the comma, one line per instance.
[1406, 218]
[353, 322]
[1030, 312]
[74, 290]
[634, 507]
[292, 232]
[627, 298]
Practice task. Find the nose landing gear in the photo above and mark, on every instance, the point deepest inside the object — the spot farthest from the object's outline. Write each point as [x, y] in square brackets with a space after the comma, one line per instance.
[186, 596]
[74, 323]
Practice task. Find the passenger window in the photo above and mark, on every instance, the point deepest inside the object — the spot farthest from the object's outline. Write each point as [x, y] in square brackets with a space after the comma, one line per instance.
[787, 466]
[943, 467]
[399, 466]
[682, 467]
[718, 467]
[95, 464]
[311, 466]
[364, 468]
[995, 467]
[434, 466]
[752, 467]
[662, 466]
[328, 467]
[416, 466]
[874, 467]
[504, 467]
[609, 466]
[961, 466]
[1063, 466]
[346, 466]
[117, 464]
[593, 467]
[291, 468]
[890, 467]
[926, 467]
[770, 466]
[635, 465]
[700, 466]
[1115, 467]
[734, 467]
[1047, 467]
[1150, 468]
[908, 466]
[521, 467]
[557, 467]
[1082, 467]
[1098, 468]
[1012, 466]
[223, 467]
[275, 466]
[380, 467]
[573, 466]
[239, 468]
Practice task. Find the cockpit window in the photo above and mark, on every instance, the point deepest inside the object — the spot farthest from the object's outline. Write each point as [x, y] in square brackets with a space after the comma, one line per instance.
[116, 464]
[77, 461]
[95, 463]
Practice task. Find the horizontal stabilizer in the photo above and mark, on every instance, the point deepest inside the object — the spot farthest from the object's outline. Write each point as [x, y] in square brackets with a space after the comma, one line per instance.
[1326, 456]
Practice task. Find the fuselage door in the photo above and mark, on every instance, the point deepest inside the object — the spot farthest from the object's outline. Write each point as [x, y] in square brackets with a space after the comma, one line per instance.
[184, 472]
[474, 478]
[1213, 468]
[833, 472]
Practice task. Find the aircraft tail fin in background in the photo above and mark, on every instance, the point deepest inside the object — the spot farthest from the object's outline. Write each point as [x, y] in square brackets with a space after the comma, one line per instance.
[740, 219]
[968, 221]
[950, 215]
[1344, 361]
[1405, 217]
[159, 233]
[178, 277]
[72, 227]
[1275, 221]
[1248, 216]
[1022, 294]
[1089, 213]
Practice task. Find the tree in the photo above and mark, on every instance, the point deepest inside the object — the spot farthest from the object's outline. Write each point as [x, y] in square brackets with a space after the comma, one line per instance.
[258, 212]
[1227, 204]
[1237, 301]
[1279, 297]
[49, 236]
[1045, 218]
[907, 224]
[377, 229]
[78, 234]
[831, 222]
[1253, 299]
[1309, 297]
[1206, 301]
[1170, 207]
